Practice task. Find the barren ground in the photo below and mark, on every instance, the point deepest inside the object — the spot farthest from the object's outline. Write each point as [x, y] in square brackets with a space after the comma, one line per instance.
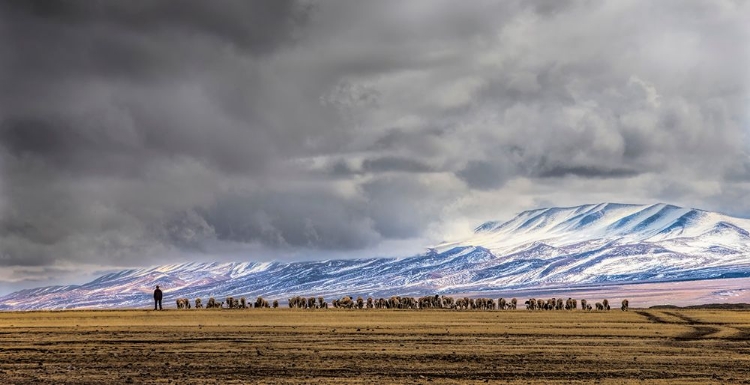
[283, 346]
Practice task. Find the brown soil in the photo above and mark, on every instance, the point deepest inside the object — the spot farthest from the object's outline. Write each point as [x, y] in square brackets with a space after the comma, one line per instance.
[286, 346]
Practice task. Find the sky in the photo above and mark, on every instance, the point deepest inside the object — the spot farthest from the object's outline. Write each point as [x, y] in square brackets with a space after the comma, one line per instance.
[135, 134]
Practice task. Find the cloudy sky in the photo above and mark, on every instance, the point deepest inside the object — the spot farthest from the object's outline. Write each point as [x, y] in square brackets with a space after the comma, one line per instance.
[141, 133]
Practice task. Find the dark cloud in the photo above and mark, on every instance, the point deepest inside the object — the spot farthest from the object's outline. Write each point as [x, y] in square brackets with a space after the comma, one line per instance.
[587, 172]
[288, 219]
[550, 8]
[483, 175]
[110, 38]
[385, 164]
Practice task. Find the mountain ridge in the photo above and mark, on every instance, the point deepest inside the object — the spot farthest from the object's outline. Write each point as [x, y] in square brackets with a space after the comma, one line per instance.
[602, 243]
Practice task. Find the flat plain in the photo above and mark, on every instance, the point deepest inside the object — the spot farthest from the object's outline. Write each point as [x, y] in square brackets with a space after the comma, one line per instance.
[293, 346]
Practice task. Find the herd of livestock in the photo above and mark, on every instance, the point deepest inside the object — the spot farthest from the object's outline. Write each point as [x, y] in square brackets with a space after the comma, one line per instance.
[398, 302]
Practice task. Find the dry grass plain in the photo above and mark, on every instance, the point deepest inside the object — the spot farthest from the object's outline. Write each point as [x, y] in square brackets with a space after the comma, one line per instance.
[284, 346]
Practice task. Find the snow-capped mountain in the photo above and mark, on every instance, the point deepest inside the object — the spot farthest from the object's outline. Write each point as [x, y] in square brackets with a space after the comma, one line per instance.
[544, 248]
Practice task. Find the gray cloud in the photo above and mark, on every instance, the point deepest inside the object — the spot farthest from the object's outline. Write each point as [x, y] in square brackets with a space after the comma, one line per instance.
[385, 164]
[132, 133]
[483, 175]
[289, 219]
[587, 172]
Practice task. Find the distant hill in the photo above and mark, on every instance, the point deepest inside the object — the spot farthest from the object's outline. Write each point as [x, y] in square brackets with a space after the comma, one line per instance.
[597, 244]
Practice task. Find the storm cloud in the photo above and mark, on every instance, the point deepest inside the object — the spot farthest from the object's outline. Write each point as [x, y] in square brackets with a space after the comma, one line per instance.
[134, 134]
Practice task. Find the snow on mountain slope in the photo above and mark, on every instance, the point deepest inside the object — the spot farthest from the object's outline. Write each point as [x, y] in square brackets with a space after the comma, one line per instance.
[623, 223]
[543, 248]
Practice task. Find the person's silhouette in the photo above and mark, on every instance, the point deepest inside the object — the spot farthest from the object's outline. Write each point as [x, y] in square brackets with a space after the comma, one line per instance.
[157, 298]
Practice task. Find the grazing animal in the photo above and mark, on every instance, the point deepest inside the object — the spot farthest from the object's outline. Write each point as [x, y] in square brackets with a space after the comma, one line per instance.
[625, 305]
[261, 303]
[297, 302]
[584, 306]
[213, 303]
[605, 304]
[275, 303]
[198, 303]
[599, 306]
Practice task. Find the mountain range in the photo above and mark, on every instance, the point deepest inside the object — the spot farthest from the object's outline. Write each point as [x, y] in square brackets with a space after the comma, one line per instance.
[559, 247]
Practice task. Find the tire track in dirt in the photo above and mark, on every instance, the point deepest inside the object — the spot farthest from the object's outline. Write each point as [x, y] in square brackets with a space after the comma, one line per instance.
[700, 330]
[653, 318]
[743, 334]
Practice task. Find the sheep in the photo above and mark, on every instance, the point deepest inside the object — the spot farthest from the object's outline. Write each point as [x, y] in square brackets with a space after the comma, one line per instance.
[584, 306]
[599, 306]
[261, 303]
[513, 304]
[501, 303]
[625, 305]
[605, 304]
[213, 303]
[297, 302]
[275, 303]
[183, 303]
[447, 302]
[430, 301]
[198, 303]
[243, 303]
[322, 303]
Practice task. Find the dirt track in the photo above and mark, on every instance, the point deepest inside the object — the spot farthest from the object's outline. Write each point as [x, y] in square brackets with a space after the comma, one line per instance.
[375, 347]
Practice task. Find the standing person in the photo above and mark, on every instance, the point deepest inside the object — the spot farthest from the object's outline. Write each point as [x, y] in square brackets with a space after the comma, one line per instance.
[157, 298]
